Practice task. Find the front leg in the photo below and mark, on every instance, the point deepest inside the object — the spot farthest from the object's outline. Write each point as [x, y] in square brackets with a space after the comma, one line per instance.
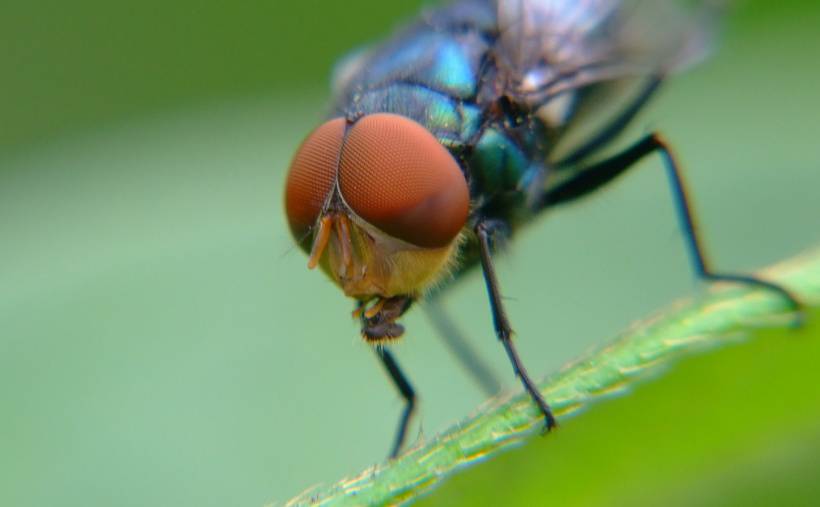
[503, 330]
[379, 327]
[407, 392]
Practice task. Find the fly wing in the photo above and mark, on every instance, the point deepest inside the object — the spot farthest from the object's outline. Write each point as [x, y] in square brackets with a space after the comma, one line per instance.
[549, 46]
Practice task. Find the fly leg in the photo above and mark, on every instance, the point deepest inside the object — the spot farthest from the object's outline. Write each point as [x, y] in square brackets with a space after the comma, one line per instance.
[460, 348]
[406, 391]
[611, 130]
[379, 326]
[606, 170]
[503, 330]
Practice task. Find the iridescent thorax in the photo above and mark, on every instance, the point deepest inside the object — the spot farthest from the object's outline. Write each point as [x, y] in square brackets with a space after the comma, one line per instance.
[458, 118]
[464, 126]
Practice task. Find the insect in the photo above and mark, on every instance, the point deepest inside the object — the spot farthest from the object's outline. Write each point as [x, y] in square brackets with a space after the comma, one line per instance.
[449, 137]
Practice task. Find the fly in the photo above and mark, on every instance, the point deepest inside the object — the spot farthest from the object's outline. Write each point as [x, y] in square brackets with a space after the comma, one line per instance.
[452, 135]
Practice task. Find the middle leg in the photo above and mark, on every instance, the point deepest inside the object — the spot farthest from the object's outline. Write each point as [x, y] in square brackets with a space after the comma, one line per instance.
[460, 348]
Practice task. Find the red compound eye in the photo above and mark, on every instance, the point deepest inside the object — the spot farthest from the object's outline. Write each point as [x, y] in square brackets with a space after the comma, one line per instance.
[395, 175]
[311, 177]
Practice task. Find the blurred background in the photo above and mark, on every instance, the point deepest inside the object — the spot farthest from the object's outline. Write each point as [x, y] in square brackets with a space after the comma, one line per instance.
[161, 342]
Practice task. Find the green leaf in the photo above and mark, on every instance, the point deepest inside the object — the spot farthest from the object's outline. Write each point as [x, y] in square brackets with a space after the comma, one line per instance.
[716, 420]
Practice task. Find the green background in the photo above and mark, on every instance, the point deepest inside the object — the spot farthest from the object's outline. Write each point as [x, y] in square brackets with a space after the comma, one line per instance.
[161, 341]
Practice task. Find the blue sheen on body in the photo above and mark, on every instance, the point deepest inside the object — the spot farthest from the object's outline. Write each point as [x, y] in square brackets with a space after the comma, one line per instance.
[433, 60]
[442, 72]
[452, 124]
[499, 82]
[498, 162]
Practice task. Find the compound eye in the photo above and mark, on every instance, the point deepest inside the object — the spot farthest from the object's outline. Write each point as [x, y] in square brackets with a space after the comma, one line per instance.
[311, 176]
[398, 177]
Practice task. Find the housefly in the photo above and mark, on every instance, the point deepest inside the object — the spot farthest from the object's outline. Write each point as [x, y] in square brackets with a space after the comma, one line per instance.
[454, 133]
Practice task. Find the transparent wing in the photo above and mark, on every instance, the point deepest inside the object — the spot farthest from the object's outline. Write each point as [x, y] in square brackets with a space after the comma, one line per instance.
[549, 46]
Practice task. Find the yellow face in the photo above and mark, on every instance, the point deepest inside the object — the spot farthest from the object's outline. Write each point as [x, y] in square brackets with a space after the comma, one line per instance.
[380, 202]
[367, 263]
